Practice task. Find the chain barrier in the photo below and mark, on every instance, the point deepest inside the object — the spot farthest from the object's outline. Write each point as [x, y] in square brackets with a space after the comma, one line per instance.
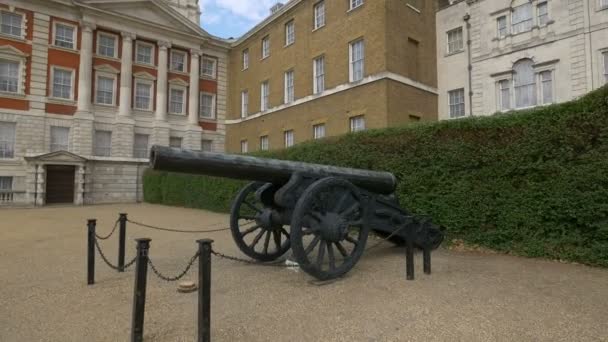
[251, 262]
[111, 233]
[177, 230]
[178, 277]
[105, 259]
[383, 240]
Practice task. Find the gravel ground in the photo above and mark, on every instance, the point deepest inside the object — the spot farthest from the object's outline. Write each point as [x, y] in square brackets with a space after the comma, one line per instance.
[469, 297]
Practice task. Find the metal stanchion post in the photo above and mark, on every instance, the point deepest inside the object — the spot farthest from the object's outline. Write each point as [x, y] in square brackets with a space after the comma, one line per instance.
[409, 255]
[204, 290]
[139, 295]
[91, 251]
[121, 242]
[427, 259]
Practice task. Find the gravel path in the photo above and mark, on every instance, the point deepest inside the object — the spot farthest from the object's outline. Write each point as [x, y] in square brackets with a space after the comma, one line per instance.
[469, 297]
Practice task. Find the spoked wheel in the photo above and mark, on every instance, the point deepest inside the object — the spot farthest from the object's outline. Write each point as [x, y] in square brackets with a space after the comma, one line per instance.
[329, 228]
[253, 228]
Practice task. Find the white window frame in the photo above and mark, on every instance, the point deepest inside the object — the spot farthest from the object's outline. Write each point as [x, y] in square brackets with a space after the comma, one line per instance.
[318, 79]
[318, 131]
[354, 123]
[140, 152]
[107, 35]
[245, 57]
[500, 87]
[266, 47]
[602, 4]
[140, 43]
[515, 26]
[205, 142]
[74, 35]
[22, 28]
[114, 78]
[288, 138]
[355, 4]
[150, 83]
[319, 15]
[290, 32]
[20, 72]
[10, 181]
[265, 96]
[213, 106]
[352, 62]
[456, 45]
[10, 143]
[264, 143]
[185, 92]
[97, 148]
[56, 145]
[185, 54]
[244, 146]
[289, 95]
[500, 34]
[52, 83]
[173, 139]
[533, 85]
[539, 15]
[244, 103]
[604, 56]
[542, 84]
[215, 61]
[451, 112]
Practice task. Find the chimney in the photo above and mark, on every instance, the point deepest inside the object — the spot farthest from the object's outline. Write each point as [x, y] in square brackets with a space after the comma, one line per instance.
[274, 9]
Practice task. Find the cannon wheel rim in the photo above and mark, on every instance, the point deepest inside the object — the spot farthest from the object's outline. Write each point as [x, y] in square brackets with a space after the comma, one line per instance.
[237, 233]
[300, 249]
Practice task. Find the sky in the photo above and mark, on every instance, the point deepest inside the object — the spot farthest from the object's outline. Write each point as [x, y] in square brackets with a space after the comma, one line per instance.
[232, 18]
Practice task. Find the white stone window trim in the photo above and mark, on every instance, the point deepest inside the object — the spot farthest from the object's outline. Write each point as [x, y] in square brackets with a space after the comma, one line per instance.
[290, 33]
[245, 59]
[506, 27]
[265, 96]
[215, 61]
[107, 34]
[114, 78]
[354, 4]
[176, 86]
[12, 54]
[244, 103]
[459, 49]
[244, 146]
[146, 81]
[604, 63]
[357, 123]
[352, 62]
[540, 87]
[602, 5]
[539, 15]
[288, 138]
[23, 24]
[318, 86]
[74, 35]
[180, 52]
[319, 131]
[453, 115]
[96, 145]
[213, 106]
[265, 47]
[152, 53]
[52, 83]
[54, 145]
[138, 150]
[317, 14]
[289, 94]
[12, 141]
[264, 143]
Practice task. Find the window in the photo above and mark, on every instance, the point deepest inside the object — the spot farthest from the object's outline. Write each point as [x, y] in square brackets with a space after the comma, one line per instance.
[6, 184]
[319, 75]
[456, 102]
[288, 135]
[207, 106]
[103, 143]
[546, 84]
[7, 140]
[178, 61]
[264, 144]
[502, 26]
[318, 131]
[175, 142]
[355, 3]
[603, 4]
[60, 138]
[9, 76]
[177, 100]
[289, 86]
[455, 41]
[319, 14]
[245, 59]
[357, 123]
[290, 33]
[144, 53]
[522, 18]
[104, 90]
[140, 146]
[244, 103]
[65, 35]
[357, 61]
[11, 24]
[524, 84]
[208, 67]
[206, 145]
[264, 91]
[143, 95]
[244, 146]
[605, 57]
[504, 89]
[543, 14]
[265, 47]
[62, 83]
[107, 45]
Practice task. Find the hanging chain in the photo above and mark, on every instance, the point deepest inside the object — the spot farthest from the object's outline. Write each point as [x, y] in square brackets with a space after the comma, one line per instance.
[103, 256]
[111, 233]
[251, 262]
[178, 277]
[177, 230]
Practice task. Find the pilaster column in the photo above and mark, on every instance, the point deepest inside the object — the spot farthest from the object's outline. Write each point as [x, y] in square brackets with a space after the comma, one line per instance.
[161, 82]
[85, 68]
[194, 86]
[126, 75]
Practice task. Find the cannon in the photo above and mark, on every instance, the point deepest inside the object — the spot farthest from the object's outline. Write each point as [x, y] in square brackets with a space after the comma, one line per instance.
[324, 214]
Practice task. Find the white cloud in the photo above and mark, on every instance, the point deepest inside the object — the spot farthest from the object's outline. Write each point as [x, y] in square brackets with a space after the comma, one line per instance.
[251, 10]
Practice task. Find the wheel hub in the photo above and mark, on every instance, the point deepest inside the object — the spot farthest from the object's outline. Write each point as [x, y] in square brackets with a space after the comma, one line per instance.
[267, 219]
[333, 227]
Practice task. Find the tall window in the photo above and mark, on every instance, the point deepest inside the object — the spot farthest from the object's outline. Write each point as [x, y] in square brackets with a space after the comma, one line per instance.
[144, 53]
[177, 100]
[62, 83]
[143, 95]
[357, 60]
[357, 123]
[603, 4]
[319, 75]
[265, 47]
[140, 146]
[208, 67]
[605, 57]
[106, 45]
[244, 103]
[246, 59]
[524, 83]
[456, 98]
[175, 142]
[502, 26]
[355, 3]
[207, 106]
[522, 18]
[206, 145]
[244, 146]
[7, 140]
[64, 35]
[10, 24]
[178, 61]
[504, 90]
[290, 33]
[288, 138]
[319, 14]
[264, 94]
[289, 86]
[9, 76]
[318, 131]
[264, 144]
[543, 14]
[104, 90]
[455, 40]
[546, 85]
[6, 184]
[103, 143]
[60, 138]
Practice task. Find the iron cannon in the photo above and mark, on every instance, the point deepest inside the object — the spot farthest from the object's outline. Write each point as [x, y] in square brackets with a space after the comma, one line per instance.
[324, 214]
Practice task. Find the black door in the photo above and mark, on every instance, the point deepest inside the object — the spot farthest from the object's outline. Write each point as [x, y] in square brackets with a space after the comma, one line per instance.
[60, 184]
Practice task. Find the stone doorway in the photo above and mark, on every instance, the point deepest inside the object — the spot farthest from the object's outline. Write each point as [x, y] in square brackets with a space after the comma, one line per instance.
[60, 184]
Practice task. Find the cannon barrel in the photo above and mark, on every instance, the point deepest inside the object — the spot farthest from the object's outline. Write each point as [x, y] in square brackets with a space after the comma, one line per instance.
[263, 169]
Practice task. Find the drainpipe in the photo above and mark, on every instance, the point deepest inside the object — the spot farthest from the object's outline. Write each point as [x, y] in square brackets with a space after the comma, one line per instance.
[588, 32]
[466, 18]
[36, 186]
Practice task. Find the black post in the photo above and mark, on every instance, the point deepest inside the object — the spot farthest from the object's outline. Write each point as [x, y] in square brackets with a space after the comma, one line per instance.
[409, 259]
[91, 251]
[121, 242]
[139, 296]
[426, 255]
[204, 290]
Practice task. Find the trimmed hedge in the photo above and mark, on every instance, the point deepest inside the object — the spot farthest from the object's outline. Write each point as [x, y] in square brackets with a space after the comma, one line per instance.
[532, 183]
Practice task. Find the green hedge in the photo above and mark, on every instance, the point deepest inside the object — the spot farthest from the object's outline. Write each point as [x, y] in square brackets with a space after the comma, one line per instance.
[532, 183]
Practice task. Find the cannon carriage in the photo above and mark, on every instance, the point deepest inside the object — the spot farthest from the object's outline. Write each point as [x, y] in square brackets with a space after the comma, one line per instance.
[324, 214]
